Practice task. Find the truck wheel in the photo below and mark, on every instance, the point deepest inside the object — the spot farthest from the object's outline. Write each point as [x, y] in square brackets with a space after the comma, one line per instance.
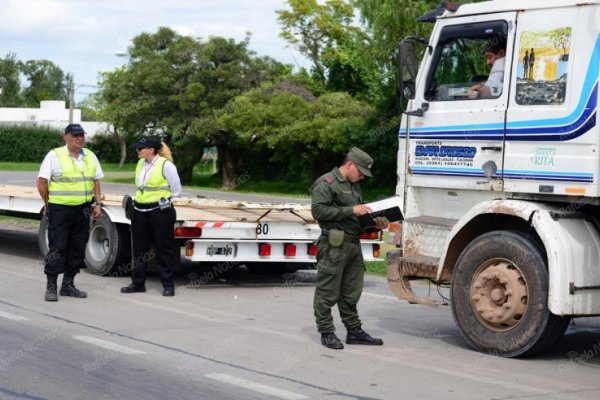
[43, 236]
[499, 296]
[108, 250]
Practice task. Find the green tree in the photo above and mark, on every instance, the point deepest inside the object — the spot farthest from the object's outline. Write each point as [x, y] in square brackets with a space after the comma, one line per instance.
[117, 106]
[389, 21]
[175, 85]
[46, 82]
[90, 107]
[11, 87]
[300, 131]
[325, 34]
[356, 61]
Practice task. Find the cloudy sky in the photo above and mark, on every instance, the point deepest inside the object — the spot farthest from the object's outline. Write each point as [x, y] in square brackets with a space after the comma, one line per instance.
[82, 36]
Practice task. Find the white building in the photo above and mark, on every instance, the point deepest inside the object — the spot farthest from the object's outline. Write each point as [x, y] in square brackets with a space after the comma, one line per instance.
[52, 113]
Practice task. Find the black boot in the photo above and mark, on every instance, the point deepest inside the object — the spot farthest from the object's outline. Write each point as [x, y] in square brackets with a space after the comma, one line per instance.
[133, 288]
[169, 291]
[68, 288]
[359, 336]
[331, 341]
[51, 287]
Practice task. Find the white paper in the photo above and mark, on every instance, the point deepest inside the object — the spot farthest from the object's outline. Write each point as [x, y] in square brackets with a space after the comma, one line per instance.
[384, 204]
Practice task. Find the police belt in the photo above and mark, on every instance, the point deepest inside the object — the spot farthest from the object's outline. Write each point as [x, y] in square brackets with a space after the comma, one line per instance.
[347, 236]
[147, 206]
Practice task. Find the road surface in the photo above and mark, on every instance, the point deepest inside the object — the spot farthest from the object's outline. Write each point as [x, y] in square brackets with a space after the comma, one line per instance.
[245, 336]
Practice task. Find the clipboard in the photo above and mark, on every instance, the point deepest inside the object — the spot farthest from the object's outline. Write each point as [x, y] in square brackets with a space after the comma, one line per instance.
[388, 208]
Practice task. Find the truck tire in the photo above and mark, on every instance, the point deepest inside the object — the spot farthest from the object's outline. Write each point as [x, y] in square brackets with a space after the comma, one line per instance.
[108, 251]
[499, 296]
[43, 236]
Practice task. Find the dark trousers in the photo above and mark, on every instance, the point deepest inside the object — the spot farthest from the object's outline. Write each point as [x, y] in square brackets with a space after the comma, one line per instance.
[68, 233]
[148, 228]
[340, 273]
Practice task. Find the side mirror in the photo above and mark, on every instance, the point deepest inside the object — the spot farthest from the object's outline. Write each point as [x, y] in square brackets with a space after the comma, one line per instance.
[407, 71]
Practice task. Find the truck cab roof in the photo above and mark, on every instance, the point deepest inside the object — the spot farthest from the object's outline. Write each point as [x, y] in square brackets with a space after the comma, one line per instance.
[494, 6]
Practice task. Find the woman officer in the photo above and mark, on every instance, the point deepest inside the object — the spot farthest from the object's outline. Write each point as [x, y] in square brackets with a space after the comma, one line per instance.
[153, 219]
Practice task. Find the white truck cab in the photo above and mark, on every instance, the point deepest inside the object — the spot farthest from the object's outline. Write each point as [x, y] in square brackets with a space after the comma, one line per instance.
[501, 192]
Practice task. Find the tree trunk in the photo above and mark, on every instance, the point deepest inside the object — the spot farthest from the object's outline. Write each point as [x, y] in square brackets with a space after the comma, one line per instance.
[122, 146]
[185, 173]
[186, 151]
[229, 169]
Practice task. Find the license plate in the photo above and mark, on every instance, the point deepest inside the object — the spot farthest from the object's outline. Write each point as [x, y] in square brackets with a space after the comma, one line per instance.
[226, 250]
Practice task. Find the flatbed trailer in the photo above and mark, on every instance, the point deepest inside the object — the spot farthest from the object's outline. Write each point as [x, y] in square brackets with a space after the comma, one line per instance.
[264, 237]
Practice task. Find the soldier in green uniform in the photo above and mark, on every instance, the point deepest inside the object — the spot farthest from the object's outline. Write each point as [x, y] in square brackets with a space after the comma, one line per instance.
[336, 205]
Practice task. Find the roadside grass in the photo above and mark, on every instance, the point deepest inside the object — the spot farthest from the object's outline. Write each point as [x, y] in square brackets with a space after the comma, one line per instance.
[17, 166]
[379, 268]
[204, 178]
[26, 166]
[9, 218]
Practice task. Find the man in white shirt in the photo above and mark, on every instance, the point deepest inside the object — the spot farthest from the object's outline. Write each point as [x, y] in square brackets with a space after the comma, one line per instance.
[69, 185]
[494, 53]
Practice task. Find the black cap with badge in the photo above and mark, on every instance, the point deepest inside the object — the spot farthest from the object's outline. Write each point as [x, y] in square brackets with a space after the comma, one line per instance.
[149, 141]
[74, 129]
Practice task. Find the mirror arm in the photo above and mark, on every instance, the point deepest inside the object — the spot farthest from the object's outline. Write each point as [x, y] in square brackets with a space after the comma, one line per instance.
[418, 112]
[415, 113]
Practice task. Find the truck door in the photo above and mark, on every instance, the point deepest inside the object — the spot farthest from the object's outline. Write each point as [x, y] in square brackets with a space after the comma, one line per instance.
[458, 141]
[551, 146]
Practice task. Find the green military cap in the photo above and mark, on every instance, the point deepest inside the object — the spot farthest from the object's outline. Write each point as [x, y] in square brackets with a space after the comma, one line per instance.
[363, 161]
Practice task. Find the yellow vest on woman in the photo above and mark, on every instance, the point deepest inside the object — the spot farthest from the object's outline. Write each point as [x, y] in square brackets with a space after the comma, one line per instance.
[156, 186]
[74, 186]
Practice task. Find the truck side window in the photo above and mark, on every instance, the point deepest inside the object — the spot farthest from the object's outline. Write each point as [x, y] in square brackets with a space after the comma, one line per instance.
[467, 58]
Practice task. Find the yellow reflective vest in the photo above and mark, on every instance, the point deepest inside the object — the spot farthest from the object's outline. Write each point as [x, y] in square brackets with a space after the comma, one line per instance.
[156, 185]
[74, 186]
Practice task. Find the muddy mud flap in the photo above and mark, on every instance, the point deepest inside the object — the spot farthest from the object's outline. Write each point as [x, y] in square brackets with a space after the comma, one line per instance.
[402, 269]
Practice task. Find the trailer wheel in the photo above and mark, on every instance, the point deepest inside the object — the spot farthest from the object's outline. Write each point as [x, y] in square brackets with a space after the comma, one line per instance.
[499, 296]
[43, 236]
[108, 250]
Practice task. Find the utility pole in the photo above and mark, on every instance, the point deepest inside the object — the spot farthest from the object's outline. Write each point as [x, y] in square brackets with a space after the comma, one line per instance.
[71, 101]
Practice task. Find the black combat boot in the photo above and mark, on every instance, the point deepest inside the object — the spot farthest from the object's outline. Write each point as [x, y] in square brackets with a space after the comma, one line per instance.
[359, 336]
[133, 288]
[51, 287]
[68, 288]
[331, 341]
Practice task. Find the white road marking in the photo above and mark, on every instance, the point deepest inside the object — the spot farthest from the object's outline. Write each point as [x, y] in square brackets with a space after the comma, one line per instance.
[205, 314]
[257, 387]
[108, 345]
[12, 317]
[380, 296]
